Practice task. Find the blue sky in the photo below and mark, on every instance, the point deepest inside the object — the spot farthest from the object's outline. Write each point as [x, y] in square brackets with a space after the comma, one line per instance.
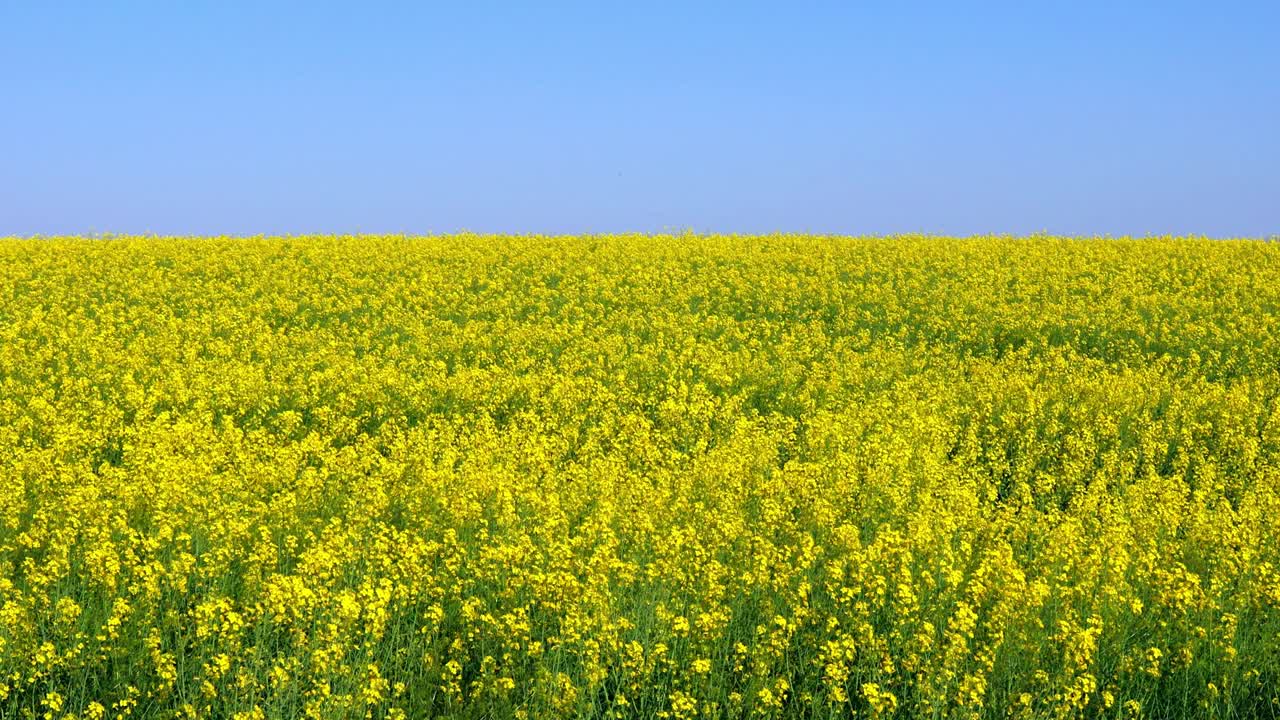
[960, 118]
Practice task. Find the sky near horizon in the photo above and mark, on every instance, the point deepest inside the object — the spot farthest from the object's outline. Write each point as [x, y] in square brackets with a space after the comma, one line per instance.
[853, 118]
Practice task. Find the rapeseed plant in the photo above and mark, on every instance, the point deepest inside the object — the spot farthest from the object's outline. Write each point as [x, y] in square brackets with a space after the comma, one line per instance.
[639, 477]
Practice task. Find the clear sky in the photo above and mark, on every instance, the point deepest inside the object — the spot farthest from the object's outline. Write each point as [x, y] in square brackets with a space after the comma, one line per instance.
[851, 117]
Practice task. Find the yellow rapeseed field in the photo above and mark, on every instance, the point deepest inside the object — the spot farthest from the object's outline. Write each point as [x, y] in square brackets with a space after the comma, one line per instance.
[636, 476]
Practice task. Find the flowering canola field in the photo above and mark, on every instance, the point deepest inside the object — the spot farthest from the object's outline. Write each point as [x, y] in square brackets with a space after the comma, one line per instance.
[639, 477]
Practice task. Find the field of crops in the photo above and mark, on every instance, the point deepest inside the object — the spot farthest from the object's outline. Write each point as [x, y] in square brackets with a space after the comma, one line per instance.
[639, 477]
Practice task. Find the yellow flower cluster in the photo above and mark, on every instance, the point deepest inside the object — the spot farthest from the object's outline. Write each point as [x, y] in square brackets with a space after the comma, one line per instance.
[639, 477]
